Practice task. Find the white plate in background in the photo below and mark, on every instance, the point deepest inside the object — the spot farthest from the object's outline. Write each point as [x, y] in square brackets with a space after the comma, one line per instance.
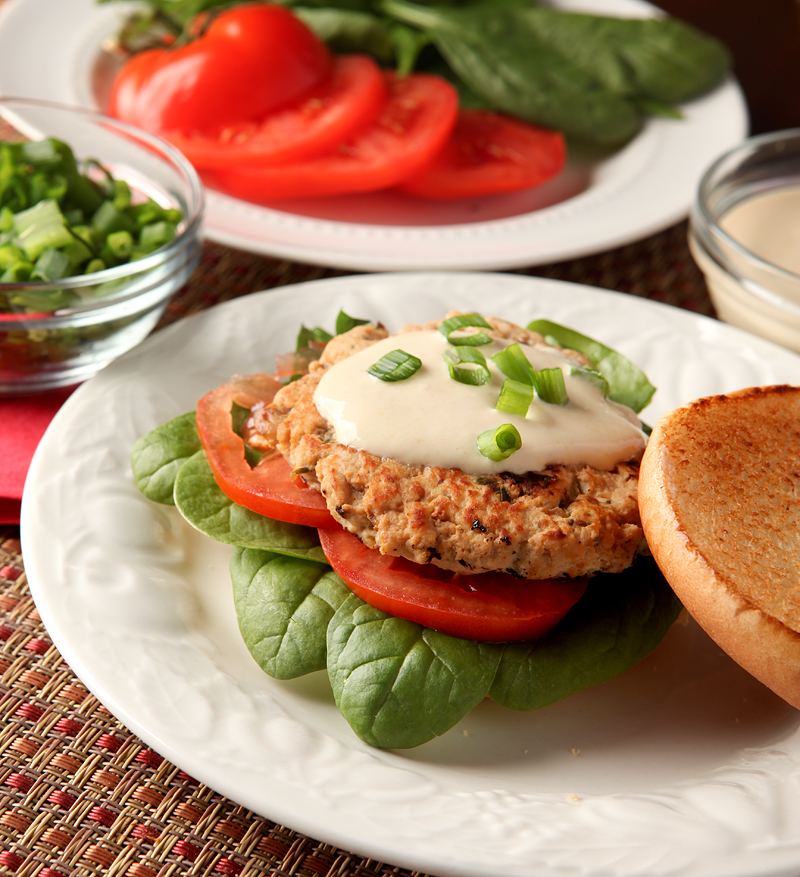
[49, 50]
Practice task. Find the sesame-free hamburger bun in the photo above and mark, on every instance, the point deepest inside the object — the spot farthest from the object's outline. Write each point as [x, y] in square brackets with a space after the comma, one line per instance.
[719, 496]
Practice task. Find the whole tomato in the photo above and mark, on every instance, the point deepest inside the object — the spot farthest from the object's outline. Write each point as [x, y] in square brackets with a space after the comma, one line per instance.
[249, 60]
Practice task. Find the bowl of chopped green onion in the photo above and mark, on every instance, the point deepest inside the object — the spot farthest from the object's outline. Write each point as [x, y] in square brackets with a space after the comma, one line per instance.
[99, 227]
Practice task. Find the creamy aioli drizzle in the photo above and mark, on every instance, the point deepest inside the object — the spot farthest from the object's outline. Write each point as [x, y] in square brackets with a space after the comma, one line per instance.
[431, 419]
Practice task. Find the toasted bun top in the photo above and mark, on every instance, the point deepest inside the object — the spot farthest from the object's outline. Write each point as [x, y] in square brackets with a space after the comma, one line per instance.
[719, 495]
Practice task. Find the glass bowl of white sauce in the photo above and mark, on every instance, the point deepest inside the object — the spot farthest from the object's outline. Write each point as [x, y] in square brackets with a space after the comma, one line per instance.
[744, 233]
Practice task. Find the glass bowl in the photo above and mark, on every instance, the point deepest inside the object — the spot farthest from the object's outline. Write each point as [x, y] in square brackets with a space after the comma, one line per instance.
[752, 274]
[91, 319]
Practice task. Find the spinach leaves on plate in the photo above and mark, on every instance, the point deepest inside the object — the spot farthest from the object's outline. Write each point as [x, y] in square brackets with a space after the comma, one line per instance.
[592, 77]
[397, 683]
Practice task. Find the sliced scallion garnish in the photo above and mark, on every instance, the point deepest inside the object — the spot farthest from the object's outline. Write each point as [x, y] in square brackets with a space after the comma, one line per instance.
[515, 397]
[513, 363]
[40, 227]
[499, 443]
[453, 329]
[467, 365]
[550, 386]
[397, 365]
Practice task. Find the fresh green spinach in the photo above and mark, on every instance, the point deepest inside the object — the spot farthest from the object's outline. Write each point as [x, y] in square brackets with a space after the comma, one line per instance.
[284, 606]
[585, 75]
[593, 77]
[157, 457]
[209, 510]
[628, 384]
[619, 620]
[399, 684]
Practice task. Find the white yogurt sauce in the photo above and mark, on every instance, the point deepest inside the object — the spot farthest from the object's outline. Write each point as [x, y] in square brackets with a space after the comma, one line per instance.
[769, 226]
[431, 419]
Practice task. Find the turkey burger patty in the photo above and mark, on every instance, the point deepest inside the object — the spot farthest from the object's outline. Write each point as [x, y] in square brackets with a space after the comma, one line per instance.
[565, 504]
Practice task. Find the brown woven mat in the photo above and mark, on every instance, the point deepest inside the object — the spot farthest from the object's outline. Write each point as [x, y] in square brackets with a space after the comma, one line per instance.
[659, 267]
[80, 794]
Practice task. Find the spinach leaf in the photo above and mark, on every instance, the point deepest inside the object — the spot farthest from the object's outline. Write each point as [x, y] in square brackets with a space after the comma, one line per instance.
[399, 684]
[209, 510]
[408, 43]
[283, 606]
[351, 30]
[157, 457]
[580, 74]
[619, 620]
[628, 384]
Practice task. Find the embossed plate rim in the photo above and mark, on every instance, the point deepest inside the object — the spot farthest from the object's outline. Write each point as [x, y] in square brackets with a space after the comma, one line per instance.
[140, 607]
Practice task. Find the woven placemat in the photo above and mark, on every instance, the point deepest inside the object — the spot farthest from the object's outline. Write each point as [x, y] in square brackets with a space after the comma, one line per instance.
[82, 795]
[659, 267]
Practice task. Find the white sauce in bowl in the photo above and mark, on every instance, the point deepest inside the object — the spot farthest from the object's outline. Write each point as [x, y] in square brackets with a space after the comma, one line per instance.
[432, 419]
[768, 225]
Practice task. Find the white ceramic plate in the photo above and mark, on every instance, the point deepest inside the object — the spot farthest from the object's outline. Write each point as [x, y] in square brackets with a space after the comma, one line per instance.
[684, 765]
[49, 49]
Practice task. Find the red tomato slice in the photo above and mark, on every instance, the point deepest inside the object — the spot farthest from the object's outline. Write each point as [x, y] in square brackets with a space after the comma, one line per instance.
[488, 154]
[487, 607]
[349, 100]
[269, 487]
[250, 60]
[413, 126]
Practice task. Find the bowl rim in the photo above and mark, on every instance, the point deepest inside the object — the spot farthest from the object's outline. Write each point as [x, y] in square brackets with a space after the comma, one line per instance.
[708, 230]
[190, 232]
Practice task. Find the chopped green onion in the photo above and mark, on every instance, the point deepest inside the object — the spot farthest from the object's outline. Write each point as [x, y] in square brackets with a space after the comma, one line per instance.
[145, 213]
[10, 253]
[84, 194]
[550, 386]
[41, 153]
[40, 227]
[121, 244]
[592, 376]
[6, 218]
[47, 186]
[77, 252]
[515, 397]
[51, 265]
[74, 217]
[397, 365]
[17, 272]
[108, 219]
[467, 365]
[40, 300]
[95, 265]
[122, 194]
[500, 443]
[513, 363]
[453, 329]
[45, 199]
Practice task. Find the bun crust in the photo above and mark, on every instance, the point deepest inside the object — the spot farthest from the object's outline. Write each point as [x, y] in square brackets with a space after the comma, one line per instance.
[719, 497]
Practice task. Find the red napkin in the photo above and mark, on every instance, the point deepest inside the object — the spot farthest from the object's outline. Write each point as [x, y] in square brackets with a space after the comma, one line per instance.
[23, 421]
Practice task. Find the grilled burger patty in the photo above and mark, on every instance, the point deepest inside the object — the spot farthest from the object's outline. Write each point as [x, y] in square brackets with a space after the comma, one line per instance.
[562, 521]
